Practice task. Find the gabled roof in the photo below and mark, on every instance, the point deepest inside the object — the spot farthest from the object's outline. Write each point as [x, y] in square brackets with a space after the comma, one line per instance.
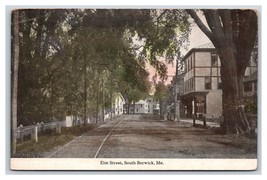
[120, 95]
[204, 47]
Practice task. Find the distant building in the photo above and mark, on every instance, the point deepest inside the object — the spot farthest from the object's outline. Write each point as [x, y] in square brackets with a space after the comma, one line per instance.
[144, 106]
[250, 80]
[118, 103]
[250, 85]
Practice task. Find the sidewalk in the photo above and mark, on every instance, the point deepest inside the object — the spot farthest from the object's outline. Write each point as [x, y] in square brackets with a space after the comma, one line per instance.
[211, 124]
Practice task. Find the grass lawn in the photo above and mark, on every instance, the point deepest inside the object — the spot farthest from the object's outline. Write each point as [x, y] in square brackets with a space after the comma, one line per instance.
[48, 142]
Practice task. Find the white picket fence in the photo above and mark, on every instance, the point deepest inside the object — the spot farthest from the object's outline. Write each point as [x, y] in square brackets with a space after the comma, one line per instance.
[32, 131]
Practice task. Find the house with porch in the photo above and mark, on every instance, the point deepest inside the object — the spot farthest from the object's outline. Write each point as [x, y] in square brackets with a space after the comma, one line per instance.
[202, 85]
[202, 82]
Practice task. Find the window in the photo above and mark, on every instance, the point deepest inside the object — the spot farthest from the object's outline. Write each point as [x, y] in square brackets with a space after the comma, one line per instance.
[207, 83]
[189, 63]
[214, 60]
[188, 69]
[193, 83]
[220, 84]
[200, 107]
[248, 87]
[188, 85]
[191, 59]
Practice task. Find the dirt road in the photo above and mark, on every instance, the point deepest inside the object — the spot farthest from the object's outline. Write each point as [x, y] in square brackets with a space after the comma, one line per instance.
[139, 136]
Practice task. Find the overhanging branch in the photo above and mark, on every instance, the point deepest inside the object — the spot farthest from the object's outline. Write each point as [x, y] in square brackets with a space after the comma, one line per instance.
[200, 24]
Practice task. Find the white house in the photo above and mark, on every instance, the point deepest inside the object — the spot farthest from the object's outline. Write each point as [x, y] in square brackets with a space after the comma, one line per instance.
[144, 106]
[118, 103]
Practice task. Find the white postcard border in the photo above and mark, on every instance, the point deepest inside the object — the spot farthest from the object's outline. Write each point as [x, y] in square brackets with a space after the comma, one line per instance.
[131, 164]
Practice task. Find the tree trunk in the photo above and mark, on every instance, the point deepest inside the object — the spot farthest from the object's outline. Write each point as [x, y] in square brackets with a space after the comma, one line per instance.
[85, 94]
[39, 31]
[111, 109]
[14, 87]
[233, 33]
[103, 100]
[128, 109]
[51, 103]
[161, 109]
[240, 82]
[97, 99]
[134, 107]
[233, 112]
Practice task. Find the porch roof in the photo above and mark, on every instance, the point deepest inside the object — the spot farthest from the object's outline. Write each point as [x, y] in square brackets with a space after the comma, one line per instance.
[194, 93]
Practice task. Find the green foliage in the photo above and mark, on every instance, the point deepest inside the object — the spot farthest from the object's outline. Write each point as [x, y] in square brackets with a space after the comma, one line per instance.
[251, 105]
[73, 61]
[162, 92]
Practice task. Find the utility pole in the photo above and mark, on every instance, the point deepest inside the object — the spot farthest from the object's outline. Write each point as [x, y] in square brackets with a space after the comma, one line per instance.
[14, 88]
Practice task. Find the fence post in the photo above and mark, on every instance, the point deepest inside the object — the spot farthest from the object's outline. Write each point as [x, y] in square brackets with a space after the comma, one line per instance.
[42, 128]
[165, 116]
[19, 132]
[204, 121]
[34, 133]
[194, 120]
[59, 128]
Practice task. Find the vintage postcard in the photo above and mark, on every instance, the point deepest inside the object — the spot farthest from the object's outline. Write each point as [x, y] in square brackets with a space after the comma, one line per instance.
[134, 89]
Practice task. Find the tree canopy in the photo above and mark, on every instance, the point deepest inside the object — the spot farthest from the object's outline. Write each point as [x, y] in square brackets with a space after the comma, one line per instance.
[72, 61]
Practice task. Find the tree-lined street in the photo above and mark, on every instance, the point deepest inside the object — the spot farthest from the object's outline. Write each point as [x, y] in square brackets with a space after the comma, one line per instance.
[87, 67]
[144, 136]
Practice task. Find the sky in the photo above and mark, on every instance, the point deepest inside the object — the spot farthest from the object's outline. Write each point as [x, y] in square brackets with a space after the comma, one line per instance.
[196, 38]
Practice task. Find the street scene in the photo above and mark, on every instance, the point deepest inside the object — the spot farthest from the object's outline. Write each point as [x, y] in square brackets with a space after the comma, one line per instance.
[144, 136]
[134, 83]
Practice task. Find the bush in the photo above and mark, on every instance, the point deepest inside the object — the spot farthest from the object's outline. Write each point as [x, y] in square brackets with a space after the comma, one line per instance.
[251, 105]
